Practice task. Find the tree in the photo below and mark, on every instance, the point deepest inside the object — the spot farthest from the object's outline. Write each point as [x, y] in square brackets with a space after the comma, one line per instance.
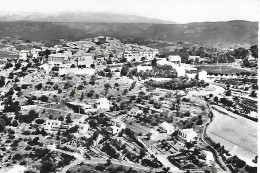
[216, 99]
[92, 65]
[92, 80]
[142, 153]
[124, 70]
[2, 125]
[253, 94]
[39, 86]
[254, 51]
[55, 68]
[228, 93]
[43, 132]
[187, 114]
[141, 94]
[154, 62]
[123, 60]
[199, 122]
[14, 123]
[47, 166]
[107, 86]
[183, 53]
[73, 66]
[31, 116]
[90, 93]
[39, 121]
[68, 118]
[2, 81]
[188, 145]
[72, 93]
[44, 98]
[108, 162]
[17, 66]
[125, 91]
[30, 102]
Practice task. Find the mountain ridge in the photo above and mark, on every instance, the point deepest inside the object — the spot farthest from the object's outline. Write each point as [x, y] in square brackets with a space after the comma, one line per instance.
[90, 17]
[215, 34]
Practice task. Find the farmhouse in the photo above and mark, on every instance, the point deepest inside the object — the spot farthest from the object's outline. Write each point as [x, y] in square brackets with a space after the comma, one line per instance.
[103, 103]
[167, 127]
[117, 127]
[208, 156]
[135, 111]
[24, 54]
[52, 125]
[175, 59]
[187, 135]
[202, 75]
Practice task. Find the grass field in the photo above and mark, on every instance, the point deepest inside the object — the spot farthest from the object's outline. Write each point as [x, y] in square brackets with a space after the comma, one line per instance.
[222, 69]
[237, 131]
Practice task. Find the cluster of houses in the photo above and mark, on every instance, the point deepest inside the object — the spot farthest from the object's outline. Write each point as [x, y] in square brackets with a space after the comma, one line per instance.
[89, 54]
[184, 135]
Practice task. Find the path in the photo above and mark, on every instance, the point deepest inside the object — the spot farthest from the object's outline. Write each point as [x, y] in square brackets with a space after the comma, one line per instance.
[72, 164]
[92, 161]
[219, 159]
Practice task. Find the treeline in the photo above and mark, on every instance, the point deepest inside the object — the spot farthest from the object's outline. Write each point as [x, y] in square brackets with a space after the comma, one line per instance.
[176, 83]
[214, 55]
[158, 71]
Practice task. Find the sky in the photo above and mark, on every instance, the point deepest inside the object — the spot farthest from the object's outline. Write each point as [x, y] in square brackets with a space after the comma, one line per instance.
[180, 11]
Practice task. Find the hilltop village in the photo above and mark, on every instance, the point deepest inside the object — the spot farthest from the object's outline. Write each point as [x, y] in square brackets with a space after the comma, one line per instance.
[99, 105]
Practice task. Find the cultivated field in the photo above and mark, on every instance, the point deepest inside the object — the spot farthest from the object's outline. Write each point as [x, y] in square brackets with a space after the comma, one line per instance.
[222, 69]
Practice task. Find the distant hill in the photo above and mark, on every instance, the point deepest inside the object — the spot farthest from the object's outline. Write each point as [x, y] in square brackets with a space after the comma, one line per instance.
[90, 17]
[216, 34]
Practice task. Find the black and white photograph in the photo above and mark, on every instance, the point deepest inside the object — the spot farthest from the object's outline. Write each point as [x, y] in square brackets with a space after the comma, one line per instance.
[129, 86]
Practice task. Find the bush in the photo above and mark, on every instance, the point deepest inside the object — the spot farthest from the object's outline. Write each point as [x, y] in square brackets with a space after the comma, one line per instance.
[27, 132]
[39, 121]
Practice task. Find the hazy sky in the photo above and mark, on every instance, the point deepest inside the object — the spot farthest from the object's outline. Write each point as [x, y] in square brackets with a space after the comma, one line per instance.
[181, 11]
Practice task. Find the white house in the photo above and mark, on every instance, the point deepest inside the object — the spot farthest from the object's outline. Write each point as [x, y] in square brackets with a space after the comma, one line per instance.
[118, 127]
[174, 59]
[187, 135]
[154, 134]
[180, 71]
[208, 156]
[52, 125]
[202, 75]
[35, 53]
[168, 127]
[24, 54]
[82, 58]
[135, 111]
[57, 59]
[83, 129]
[103, 103]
